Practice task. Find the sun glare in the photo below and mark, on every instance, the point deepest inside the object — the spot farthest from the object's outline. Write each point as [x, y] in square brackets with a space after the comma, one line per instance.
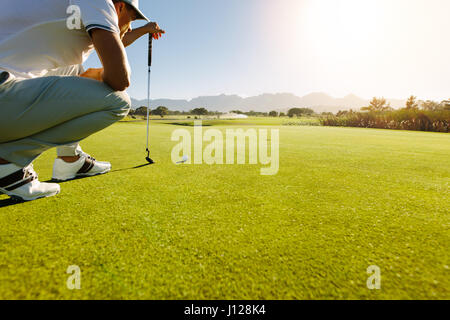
[341, 26]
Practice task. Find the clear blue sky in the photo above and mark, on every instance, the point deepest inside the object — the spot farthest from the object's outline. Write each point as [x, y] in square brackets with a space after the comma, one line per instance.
[248, 47]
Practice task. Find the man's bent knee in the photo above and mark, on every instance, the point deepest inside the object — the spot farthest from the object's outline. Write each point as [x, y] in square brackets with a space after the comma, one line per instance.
[121, 104]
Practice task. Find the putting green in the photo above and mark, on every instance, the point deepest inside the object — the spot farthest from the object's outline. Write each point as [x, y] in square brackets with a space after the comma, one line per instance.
[344, 199]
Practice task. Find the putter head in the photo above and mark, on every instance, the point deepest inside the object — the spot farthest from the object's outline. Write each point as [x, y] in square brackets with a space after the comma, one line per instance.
[149, 160]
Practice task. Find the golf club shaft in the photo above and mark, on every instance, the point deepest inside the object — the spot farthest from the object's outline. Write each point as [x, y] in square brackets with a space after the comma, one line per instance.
[150, 47]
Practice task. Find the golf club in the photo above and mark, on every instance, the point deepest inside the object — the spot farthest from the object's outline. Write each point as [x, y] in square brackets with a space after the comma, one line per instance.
[150, 45]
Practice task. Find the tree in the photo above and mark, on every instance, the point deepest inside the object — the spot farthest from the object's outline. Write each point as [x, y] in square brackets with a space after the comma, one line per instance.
[430, 105]
[199, 111]
[445, 105]
[299, 112]
[341, 113]
[160, 111]
[282, 114]
[273, 114]
[307, 111]
[411, 103]
[377, 105]
[142, 111]
[294, 112]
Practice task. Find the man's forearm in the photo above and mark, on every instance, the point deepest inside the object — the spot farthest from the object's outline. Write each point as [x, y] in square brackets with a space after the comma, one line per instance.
[133, 35]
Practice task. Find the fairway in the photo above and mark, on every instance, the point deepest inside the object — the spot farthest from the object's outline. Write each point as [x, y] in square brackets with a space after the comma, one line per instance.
[344, 199]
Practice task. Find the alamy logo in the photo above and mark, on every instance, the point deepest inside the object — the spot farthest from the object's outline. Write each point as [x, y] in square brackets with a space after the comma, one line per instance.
[374, 281]
[234, 144]
[74, 281]
[74, 20]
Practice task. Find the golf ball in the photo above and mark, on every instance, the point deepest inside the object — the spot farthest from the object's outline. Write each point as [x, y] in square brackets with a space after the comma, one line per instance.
[185, 158]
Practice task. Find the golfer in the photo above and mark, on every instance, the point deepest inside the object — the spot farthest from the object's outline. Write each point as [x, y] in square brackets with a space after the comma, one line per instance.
[46, 98]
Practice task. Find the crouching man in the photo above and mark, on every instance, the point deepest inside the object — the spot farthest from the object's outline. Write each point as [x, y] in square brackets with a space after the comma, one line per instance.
[46, 100]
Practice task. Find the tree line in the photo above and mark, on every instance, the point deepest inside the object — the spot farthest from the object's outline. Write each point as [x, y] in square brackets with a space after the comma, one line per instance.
[416, 115]
[163, 111]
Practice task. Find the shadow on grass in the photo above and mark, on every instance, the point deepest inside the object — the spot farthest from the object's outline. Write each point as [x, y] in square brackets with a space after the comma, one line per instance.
[187, 124]
[132, 168]
[112, 171]
[14, 201]
[11, 202]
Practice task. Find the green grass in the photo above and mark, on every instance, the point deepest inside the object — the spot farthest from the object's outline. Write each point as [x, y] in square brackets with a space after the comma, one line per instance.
[344, 199]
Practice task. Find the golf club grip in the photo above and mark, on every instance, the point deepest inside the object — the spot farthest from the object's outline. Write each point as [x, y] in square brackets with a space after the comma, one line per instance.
[150, 48]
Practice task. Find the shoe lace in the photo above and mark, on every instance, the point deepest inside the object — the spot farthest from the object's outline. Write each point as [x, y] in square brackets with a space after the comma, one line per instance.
[88, 156]
[29, 172]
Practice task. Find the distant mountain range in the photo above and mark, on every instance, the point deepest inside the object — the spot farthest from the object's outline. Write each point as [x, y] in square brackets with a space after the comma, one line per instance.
[319, 102]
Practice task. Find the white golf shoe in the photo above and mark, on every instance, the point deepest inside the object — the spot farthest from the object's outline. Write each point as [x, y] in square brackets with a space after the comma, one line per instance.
[23, 184]
[84, 167]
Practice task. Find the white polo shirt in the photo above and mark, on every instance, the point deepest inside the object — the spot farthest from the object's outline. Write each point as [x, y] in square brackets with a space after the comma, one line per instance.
[35, 37]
